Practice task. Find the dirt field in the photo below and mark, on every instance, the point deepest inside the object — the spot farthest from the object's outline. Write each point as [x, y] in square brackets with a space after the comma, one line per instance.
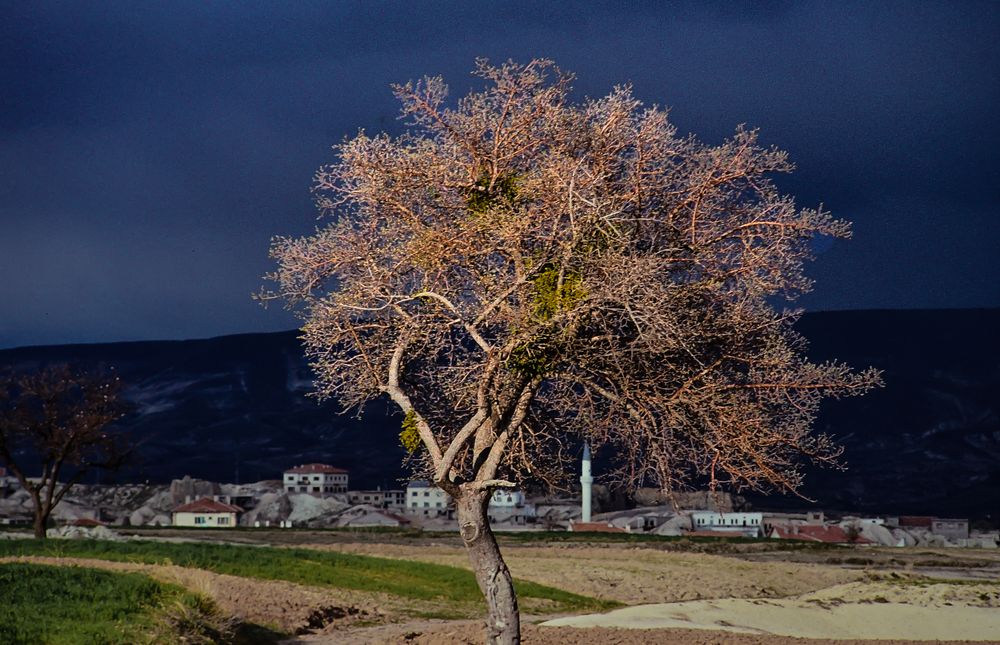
[469, 633]
[859, 590]
[634, 575]
[794, 587]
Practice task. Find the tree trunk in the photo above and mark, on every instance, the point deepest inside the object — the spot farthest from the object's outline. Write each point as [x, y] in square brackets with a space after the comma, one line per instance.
[503, 625]
[39, 526]
[41, 519]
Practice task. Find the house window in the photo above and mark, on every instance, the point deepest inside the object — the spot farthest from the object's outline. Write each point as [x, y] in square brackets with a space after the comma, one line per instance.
[426, 504]
[302, 489]
[199, 519]
[315, 489]
[427, 493]
[222, 521]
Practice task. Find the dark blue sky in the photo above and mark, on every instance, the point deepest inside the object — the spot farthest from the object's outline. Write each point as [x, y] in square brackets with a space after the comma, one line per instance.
[148, 151]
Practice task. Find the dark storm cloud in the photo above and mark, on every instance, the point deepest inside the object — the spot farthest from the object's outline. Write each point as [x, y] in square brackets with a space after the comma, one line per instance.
[148, 153]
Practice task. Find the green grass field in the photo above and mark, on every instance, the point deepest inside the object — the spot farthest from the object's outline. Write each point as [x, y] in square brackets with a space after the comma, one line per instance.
[404, 578]
[77, 606]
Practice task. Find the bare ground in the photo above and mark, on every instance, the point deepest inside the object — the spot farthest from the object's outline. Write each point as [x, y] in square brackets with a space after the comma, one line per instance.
[878, 611]
[818, 581]
[471, 633]
[632, 575]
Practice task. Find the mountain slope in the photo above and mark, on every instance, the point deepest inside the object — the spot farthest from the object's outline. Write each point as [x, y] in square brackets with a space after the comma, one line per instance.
[236, 408]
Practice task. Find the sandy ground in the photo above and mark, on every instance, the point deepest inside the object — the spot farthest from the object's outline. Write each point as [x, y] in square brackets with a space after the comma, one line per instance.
[854, 611]
[469, 633]
[634, 575]
[864, 612]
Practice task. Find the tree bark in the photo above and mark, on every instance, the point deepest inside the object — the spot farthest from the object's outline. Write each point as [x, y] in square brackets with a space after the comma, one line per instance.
[41, 516]
[503, 625]
[39, 526]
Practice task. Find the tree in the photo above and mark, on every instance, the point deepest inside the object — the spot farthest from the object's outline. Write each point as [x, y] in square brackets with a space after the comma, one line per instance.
[61, 417]
[519, 273]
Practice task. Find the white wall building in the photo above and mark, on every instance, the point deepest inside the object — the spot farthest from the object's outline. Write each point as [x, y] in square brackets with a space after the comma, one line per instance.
[510, 506]
[747, 523]
[387, 499]
[427, 500]
[316, 479]
[206, 513]
[506, 498]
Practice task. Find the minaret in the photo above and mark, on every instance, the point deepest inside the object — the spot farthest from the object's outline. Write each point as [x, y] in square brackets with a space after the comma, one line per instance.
[586, 480]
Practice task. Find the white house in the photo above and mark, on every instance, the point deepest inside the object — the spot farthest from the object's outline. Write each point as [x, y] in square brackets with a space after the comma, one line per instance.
[424, 499]
[206, 513]
[510, 506]
[316, 479]
[504, 498]
[388, 499]
[746, 523]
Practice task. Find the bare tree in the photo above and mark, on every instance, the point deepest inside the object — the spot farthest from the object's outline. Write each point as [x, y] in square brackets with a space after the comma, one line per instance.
[61, 417]
[519, 273]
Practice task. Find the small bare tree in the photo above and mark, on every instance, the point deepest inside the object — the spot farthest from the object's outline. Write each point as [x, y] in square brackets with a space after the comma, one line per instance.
[519, 273]
[61, 417]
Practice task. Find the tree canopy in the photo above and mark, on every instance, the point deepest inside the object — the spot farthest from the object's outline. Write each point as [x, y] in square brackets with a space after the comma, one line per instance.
[520, 273]
[59, 417]
[518, 269]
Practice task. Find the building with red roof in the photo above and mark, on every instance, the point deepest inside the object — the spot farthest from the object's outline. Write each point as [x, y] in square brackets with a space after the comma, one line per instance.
[206, 513]
[316, 479]
[811, 533]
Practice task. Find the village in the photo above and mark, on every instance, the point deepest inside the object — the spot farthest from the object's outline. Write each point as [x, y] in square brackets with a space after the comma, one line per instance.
[318, 496]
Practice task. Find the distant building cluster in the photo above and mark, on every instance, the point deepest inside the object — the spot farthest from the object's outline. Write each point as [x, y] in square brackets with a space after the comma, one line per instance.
[368, 507]
[319, 495]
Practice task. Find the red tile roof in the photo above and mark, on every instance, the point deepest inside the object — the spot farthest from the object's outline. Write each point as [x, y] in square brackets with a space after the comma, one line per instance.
[207, 505]
[828, 534]
[86, 521]
[315, 469]
[915, 520]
